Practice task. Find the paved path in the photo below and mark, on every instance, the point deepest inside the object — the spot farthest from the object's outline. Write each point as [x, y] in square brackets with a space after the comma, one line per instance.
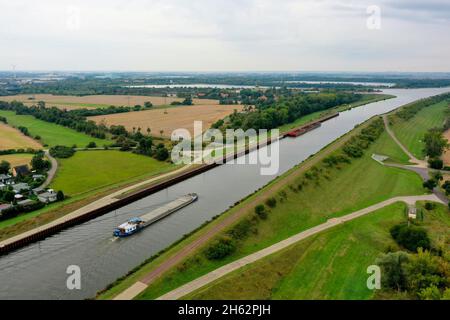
[188, 288]
[109, 199]
[51, 173]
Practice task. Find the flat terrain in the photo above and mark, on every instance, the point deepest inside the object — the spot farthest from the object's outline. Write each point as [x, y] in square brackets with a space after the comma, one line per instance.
[17, 159]
[330, 265]
[411, 132]
[88, 171]
[11, 138]
[359, 185]
[51, 134]
[353, 187]
[97, 101]
[169, 119]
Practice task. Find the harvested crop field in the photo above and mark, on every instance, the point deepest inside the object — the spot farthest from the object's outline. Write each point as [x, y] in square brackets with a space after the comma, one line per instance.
[97, 101]
[17, 159]
[169, 119]
[11, 138]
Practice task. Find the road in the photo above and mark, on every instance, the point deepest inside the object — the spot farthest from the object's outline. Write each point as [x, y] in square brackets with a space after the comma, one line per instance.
[190, 287]
[51, 173]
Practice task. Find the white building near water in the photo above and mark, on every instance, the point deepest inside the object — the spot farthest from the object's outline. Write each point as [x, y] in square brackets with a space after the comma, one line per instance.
[48, 196]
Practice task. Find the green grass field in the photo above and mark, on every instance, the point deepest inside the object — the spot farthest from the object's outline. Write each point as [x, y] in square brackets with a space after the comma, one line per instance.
[411, 132]
[89, 171]
[50, 133]
[330, 265]
[339, 192]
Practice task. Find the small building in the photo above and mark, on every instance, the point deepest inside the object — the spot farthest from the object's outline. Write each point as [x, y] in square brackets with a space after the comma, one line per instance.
[5, 178]
[47, 197]
[412, 213]
[26, 202]
[38, 176]
[20, 187]
[4, 206]
[22, 171]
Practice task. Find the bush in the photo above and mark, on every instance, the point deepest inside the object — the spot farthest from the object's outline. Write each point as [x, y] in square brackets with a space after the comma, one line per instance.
[61, 152]
[437, 164]
[260, 210]
[411, 237]
[271, 202]
[91, 145]
[430, 184]
[220, 249]
[60, 196]
[430, 206]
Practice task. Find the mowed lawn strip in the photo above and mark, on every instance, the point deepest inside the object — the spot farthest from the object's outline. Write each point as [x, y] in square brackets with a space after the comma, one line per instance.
[330, 265]
[88, 171]
[412, 132]
[11, 138]
[51, 134]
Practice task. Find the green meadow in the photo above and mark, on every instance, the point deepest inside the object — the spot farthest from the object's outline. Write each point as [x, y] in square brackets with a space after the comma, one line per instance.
[88, 171]
[51, 134]
[412, 132]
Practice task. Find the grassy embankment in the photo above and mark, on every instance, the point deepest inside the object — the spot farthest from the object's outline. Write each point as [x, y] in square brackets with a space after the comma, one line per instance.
[362, 183]
[412, 131]
[367, 98]
[331, 265]
[51, 134]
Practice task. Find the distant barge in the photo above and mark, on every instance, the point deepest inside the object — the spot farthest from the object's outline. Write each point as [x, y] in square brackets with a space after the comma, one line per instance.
[309, 127]
[137, 224]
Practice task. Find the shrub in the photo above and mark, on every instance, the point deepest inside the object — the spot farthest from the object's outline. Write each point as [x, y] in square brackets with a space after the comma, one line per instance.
[437, 164]
[260, 210]
[429, 206]
[430, 184]
[411, 237]
[220, 249]
[271, 202]
[91, 145]
[241, 230]
[61, 152]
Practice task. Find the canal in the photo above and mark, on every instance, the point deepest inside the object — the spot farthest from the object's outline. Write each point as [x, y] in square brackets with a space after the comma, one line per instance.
[38, 271]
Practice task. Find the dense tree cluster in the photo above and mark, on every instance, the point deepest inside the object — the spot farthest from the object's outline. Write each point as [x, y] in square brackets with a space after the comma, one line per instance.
[269, 114]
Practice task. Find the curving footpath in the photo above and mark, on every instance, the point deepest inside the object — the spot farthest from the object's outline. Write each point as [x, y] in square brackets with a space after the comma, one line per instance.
[190, 287]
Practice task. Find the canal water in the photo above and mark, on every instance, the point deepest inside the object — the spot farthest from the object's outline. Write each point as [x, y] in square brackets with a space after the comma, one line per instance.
[38, 271]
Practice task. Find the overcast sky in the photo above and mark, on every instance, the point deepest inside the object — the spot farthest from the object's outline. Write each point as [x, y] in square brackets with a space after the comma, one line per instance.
[225, 35]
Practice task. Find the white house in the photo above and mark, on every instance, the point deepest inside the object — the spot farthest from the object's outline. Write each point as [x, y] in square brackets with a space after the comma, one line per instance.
[48, 196]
